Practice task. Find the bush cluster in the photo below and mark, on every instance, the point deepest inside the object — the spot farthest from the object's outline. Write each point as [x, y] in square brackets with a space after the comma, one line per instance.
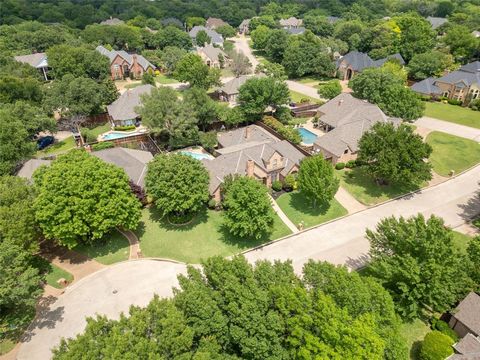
[124, 127]
[475, 105]
[287, 132]
[454, 102]
[103, 145]
[436, 346]
[443, 327]
[339, 165]
[289, 183]
[277, 185]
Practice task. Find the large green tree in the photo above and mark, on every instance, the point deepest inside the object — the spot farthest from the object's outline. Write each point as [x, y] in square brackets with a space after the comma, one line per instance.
[395, 154]
[204, 107]
[81, 198]
[415, 260]
[191, 69]
[416, 35]
[462, 44]
[432, 63]
[177, 183]
[316, 179]
[330, 89]
[14, 89]
[248, 212]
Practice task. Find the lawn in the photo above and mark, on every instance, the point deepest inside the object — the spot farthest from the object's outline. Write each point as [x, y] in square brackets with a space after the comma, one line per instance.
[164, 79]
[55, 273]
[452, 153]
[202, 238]
[100, 129]
[453, 113]
[6, 345]
[111, 249]
[298, 209]
[362, 187]
[132, 85]
[460, 241]
[57, 148]
[297, 97]
[413, 333]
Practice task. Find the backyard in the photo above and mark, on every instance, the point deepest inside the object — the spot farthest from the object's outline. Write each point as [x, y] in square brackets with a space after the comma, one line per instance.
[111, 249]
[299, 209]
[414, 332]
[453, 113]
[297, 97]
[452, 153]
[203, 237]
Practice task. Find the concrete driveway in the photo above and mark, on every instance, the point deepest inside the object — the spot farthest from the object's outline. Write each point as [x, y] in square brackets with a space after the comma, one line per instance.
[109, 291]
[240, 44]
[450, 128]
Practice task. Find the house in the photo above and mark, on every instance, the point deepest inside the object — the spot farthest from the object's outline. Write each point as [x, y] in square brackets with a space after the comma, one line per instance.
[212, 56]
[171, 21]
[468, 348]
[214, 23]
[345, 119]
[112, 22]
[122, 111]
[355, 62]
[37, 60]
[216, 38]
[27, 170]
[462, 84]
[436, 22]
[254, 152]
[243, 28]
[122, 64]
[476, 33]
[295, 30]
[466, 316]
[229, 91]
[291, 22]
[133, 161]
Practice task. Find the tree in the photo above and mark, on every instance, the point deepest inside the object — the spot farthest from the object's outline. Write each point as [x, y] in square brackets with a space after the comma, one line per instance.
[436, 346]
[169, 57]
[395, 155]
[432, 63]
[14, 89]
[202, 38]
[416, 35]
[227, 31]
[256, 94]
[319, 25]
[171, 36]
[17, 218]
[330, 89]
[276, 45]
[415, 260]
[232, 117]
[202, 105]
[260, 36]
[353, 32]
[240, 64]
[274, 70]
[164, 113]
[194, 21]
[74, 206]
[316, 180]
[191, 69]
[32, 117]
[248, 212]
[122, 37]
[473, 252]
[177, 183]
[148, 78]
[461, 42]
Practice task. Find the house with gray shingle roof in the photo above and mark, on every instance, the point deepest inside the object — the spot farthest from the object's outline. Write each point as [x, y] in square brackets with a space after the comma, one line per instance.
[212, 56]
[355, 62]
[345, 119]
[123, 112]
[462, 84]
[436, 22]
[38, 61]
[214, 23]
[254, 152]
[291, 22]
[468, 348]
[122, 64]
[112, 22]
[216, 38]
[296, 31]
[229, 91]
[466, 316]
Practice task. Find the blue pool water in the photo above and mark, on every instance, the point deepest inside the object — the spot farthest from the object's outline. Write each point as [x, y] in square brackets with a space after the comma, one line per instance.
[197, 156]
[308, 137]
[117, 135]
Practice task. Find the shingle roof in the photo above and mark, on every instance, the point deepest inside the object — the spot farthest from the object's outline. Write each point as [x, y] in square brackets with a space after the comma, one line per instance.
[212, 52]
[231, 87]
[436, 22]
[291, 22]
[124, 107]
[473, 67]
[214, 23]
[172, 21]
[244, 134]
[359, 61]
[468, 312]
[397, 56]
[112, 54]
[134, 162]
[333, 19]
[37, 60]
[468, 345]
[30, 166]
[455, 77]
[214, 36]
[112, 21]
[244, 23]
[426, 87]
[296, 31]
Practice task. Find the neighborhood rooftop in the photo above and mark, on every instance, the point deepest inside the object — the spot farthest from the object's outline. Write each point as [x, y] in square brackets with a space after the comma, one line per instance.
[129, 58]
[37, 60]
[468, 312]
[359, 61]
[436, 22]
[124, 107]
[468, 348]
[215, 37]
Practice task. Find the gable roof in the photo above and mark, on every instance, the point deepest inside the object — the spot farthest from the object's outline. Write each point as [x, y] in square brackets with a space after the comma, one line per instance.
[358, 61]
[291, 22]
[468, 345]
[211, 52]
[112, 54]
[459, 76]
[468, 312]
[112, 21]
[124, 107]
[232, 87]
[133, 161]
[245, 23]
[30, 166]
[426, 87]
[473, 67]
[214, 23]
[37, 60]
[214, 36]
[436, 22]
[296, 30]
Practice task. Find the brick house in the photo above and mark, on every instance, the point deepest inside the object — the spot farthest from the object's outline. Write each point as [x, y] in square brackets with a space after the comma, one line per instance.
[355, 62]
[122, 64]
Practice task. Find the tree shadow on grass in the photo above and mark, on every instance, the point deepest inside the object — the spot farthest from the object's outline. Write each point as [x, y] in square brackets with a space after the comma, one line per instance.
[299, 202]
[111, 243]
[243, 243]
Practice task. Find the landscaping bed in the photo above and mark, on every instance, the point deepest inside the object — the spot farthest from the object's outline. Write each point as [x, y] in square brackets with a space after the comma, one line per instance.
[111, 249]
[453, 113]
[203, 237]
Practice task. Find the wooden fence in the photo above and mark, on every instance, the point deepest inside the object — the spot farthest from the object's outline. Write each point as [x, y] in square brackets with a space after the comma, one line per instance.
[277, 135]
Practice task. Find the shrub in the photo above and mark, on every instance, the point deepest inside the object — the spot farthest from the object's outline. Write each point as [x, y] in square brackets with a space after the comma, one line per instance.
[287, 132]
[330, 89]
[276, 185]
[212, 204]
[436, 346]
[87, 135]
[289, 183]
[283, 115]
[102, 145]
[454, 102]
[339, 166]
[443, 327]
[139, 193]
[124, 127]
[475, 105]
[350, 164]
[208, 140]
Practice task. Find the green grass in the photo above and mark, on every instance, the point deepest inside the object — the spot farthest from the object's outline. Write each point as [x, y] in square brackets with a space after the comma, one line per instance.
[453, 113]
[6, 345]
[460, 241]
[362, 187]
[413, 333]
[57, 148]
[452, 153]
[111, 249]
[298, 209]
[133, 85]
[202, 238]
[55, 273]
[100, 129]
[298, 97]
[476, 223]
[164, 79]
[226, 72]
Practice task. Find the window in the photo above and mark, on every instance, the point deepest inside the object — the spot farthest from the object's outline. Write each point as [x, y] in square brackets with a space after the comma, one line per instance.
[346, 151]
[474, 93]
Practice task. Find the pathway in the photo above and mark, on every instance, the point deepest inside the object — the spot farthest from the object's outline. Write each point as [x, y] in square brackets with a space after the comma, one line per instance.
[282, 216]
[348, 201]
[135, 251]
[241, 45]
[303, 89]
[448, 127]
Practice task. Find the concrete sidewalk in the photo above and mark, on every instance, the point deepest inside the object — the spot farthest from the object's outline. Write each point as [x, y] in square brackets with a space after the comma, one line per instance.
[348, 201]
[282, 216]
[449, 128]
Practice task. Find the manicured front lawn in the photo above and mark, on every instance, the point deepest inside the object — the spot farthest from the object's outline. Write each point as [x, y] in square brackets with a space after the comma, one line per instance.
[362, 187]
[202, 238]
[460, 241]
[55, 273]
[413, 333]
[453, 113]
[111, 249]
[452, 153]
[298, 209]
[164, 79]
[297, 97]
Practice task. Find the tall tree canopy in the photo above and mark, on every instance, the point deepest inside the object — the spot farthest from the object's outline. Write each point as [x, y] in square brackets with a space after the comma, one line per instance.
[191, 69]
[81, 198]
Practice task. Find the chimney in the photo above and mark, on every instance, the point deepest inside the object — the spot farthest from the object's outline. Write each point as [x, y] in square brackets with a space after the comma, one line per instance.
[250, 168]
[247, 132]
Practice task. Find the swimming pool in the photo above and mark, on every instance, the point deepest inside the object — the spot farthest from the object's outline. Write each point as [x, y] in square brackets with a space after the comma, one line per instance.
[197, 156]
[117, 135]
[308, 137]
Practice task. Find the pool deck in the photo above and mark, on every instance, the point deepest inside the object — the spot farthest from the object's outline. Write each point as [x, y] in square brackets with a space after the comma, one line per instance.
[139, 130]
[309, 126]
